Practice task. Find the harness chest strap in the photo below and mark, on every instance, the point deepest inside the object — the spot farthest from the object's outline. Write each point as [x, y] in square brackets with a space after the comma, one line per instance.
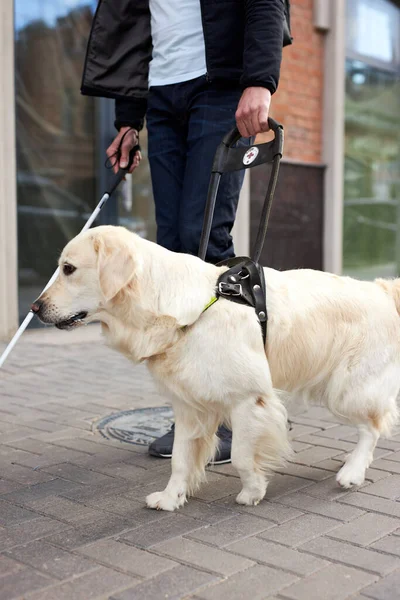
[243, 283]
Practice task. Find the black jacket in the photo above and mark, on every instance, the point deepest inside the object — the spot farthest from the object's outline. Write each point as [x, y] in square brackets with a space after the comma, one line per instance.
[243, 42]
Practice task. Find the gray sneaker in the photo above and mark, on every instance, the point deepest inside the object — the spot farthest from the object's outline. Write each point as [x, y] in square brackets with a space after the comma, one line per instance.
[162, 446]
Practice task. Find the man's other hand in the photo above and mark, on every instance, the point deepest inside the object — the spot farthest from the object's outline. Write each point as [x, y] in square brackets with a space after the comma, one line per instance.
[252, 111]
[130, 140]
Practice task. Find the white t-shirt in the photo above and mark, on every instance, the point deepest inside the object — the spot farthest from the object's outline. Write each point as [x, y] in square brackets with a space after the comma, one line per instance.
[178, 41]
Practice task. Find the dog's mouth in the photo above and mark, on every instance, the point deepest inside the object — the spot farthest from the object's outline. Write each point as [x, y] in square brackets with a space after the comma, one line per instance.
[73, 321]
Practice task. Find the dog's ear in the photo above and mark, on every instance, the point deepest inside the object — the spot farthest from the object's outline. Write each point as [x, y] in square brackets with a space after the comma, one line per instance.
[115, 266]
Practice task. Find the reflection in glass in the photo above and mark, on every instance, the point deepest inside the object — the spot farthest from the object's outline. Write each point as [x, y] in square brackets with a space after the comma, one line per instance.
[60, 142]
[55, 135]
[371, 236]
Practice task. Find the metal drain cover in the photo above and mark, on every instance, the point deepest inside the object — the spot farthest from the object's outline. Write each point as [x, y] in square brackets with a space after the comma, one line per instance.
[140, 426]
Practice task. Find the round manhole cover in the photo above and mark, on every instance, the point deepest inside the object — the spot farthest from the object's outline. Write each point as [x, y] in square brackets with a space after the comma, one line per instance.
[140, 426]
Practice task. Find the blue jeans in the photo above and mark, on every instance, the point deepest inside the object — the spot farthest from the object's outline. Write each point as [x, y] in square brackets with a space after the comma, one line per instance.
[186, 122]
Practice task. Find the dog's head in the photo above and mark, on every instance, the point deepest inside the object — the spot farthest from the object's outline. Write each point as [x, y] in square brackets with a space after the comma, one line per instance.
[95, 267]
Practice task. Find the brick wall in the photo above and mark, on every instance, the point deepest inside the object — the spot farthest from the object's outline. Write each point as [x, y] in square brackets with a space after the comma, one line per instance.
[298, 101]
[295, 234]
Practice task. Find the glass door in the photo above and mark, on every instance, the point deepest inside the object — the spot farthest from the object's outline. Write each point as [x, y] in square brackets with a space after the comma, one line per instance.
[371, 233]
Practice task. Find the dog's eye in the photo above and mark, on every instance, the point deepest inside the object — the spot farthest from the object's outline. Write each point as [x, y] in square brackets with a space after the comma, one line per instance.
[68, 269]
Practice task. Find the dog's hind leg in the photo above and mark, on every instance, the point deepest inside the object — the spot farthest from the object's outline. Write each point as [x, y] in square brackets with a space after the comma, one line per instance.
[353, 470]
[259, 443]
[194, 445]
[377, 422]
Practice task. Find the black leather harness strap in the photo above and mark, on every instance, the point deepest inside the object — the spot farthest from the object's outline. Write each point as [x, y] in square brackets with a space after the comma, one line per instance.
[244, 283]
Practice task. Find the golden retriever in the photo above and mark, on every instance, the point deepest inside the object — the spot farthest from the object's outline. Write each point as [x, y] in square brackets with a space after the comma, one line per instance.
[332, 340]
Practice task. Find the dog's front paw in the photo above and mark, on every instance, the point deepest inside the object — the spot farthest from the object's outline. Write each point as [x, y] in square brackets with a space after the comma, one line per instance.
[250, 497]
[350, 475]
[165, 501]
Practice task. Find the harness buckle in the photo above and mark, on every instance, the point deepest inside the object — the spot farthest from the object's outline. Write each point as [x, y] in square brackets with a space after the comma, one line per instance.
[231, 289]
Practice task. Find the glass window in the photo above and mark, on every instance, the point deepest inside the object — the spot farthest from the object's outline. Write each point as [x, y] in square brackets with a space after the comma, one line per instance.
[61, 142]
[371, 236]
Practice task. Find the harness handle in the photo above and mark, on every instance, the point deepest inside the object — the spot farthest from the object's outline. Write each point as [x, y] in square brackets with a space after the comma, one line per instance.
[229, 158]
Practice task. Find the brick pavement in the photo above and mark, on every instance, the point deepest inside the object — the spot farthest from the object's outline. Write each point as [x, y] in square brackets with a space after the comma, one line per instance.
[73, 524]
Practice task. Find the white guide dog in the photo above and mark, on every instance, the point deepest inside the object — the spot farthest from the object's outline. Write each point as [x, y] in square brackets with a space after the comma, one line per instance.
[333, 340]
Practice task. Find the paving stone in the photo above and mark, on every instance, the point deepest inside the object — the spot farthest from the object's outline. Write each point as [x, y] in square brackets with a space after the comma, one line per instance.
[279, 485]
[12, 515]
[50, 560]
[30, 494]
[227, 469]
[231, 530]
[20, 582]
[307, 472]
[208, 513]
[386, 589]
[375, 475]
[298, 430]
[203, 557]
[53, 457]
[136, 513]
[266, 510]
[118, 505]
[329, 490]
[7, 487]
[319, 441]
[32, 445]
[81, 493]
[28, 531]
[387, 465]
[65, 510]
[340, 432]
[127, 558]
[278, 556]
[107, 526]
[365, 529]
[389, 543]
[14, 435]
[24, 475]
[361, 558]
[172, 526]
[319, 506]
[336, 582]
[256, 583]
[394, 456]
[174, 584]
[77, 474]
[296, 532]
[299, 446]
[99, 583]
[387, 488]
[314, 455]
[303, 419]
[119, 469]
[215, 490]
[372, 503]
[8, 566]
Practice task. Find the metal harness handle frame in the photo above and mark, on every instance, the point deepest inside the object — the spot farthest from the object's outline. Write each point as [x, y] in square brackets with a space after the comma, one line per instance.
[244, 281]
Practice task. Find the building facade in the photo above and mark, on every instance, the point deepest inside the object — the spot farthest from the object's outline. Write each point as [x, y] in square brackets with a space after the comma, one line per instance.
[337, 203]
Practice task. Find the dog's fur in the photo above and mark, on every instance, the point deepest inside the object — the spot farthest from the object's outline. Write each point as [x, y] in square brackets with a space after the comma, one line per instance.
[333, 340]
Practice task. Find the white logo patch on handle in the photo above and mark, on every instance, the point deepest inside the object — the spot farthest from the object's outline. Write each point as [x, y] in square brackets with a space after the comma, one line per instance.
[250, 155]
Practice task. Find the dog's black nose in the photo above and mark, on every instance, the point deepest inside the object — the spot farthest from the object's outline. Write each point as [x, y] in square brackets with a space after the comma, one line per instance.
[36, 306]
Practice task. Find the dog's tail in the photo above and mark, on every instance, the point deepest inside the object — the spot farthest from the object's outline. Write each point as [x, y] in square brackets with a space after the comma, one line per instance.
[392, 288]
